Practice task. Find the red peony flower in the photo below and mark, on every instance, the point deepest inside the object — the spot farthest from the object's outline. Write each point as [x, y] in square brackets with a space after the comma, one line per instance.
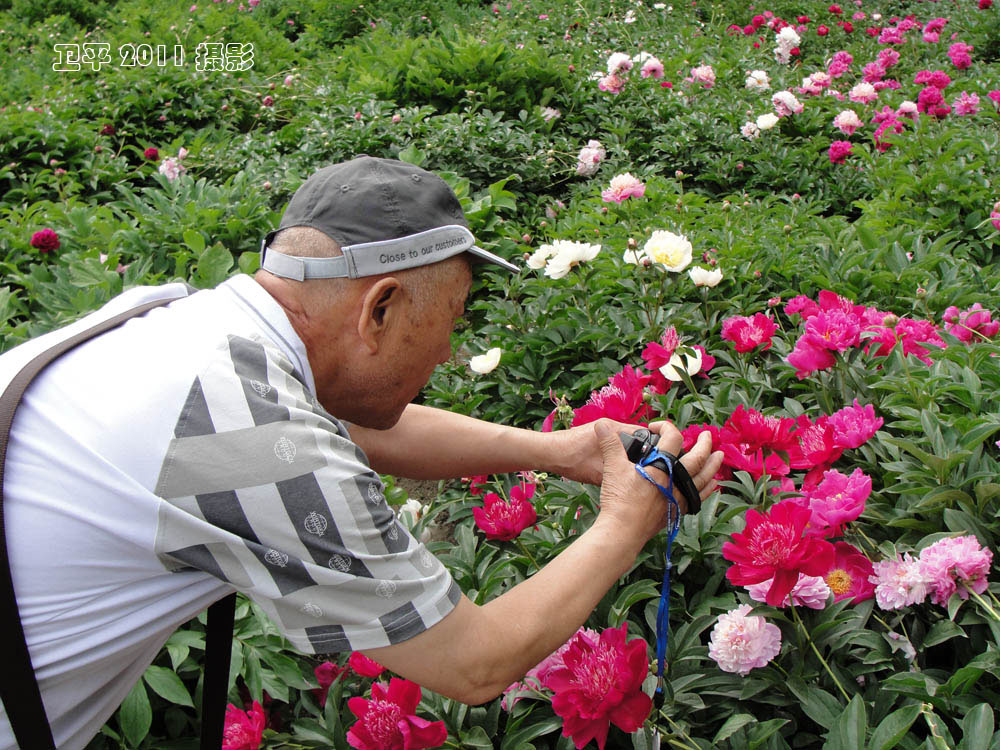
[849, 573]
[108, 130]
[364, 666]
[45, 241]
[621, 400]
[748, 333]
[243, 730]
[599, 684]
[753, 430]
[387, 721]
[772, 544]
[504, 520]
[815, 444]
[475, 483]
[151, 154]
[326, 674]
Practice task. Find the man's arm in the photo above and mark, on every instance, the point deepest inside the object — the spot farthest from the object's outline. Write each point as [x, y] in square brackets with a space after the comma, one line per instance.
[475, 652]
[429, 443]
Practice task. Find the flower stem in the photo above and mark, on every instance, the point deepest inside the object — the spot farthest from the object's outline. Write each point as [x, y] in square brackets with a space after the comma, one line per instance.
[826, 666]
[531, 557]
[677, 728]
[983, 603]
[933, 725]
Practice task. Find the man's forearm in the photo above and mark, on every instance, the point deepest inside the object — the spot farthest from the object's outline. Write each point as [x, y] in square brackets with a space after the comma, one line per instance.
[431, 443]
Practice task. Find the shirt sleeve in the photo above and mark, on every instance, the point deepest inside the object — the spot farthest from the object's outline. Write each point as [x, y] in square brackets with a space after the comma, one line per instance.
[262, 488]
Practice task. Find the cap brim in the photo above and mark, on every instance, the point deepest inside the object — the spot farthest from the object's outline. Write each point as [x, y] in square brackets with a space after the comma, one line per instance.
[491, 258]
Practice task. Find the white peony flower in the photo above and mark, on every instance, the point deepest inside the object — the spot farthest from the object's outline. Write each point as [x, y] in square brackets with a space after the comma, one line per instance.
[758, 79]
[767, 121]
[703, 277]
[689, 363]
[540, 257]
[569, 254]
[750, 131]
[410, 512]
[672, 251]
[484, 363]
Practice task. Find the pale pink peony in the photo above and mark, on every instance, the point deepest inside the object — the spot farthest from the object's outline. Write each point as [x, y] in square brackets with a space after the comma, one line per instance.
[703, 74]
[785, 104]
[995, 216]
[952, 561]
[652, 68]
[590, 157]
[847, 122]
[966, 104]
[619, 62]
[809, 591]
[612, 83]
[863, 93]
[623, 187]
[740, 643]
[899, 583]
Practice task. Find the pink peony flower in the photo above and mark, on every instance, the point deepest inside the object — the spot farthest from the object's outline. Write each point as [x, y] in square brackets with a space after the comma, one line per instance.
[387, 721]
[888, 57]
[815, 444]
[873, 72]
[268, 101]
[600, 683]
[151, 154]
[958, 53]
[785, 104]
[363, 666]
[703, 74]
[966, 104]
[936, 78]
[658, 354]
[809, 591]
[652, 68]
[839, 151]
[907, 109]
[752, 430]
[503, 520]
[611, 83]
[833, 330]
[995, 216]
[972, 323]
[912, 334]
[899, 582]
[952, 561]
[172, 168]
[881, 143]
[848, 577]
[590, 157]
[747, 333]
[740, 643]
[863, 93]
[243, 730]
[891, 35]
[619, 62]
[773, 546]
[854, 425]
[326, 674]
[846, 122]
[621, 400]
[835, 501]
[623, 187]
[534, 677]
[45, 241]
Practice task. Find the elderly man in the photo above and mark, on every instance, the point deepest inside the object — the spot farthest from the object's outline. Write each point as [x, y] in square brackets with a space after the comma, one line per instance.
[230, 440]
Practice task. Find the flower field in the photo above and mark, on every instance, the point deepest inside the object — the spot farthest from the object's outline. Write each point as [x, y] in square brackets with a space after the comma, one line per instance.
[778, 223]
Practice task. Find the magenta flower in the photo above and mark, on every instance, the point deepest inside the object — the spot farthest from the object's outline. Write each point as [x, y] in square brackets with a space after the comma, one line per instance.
[952, 561]
[773, 546]
[503, 520]
[740, 643]
[936, 78]
[243, 730]
[839, 151]
[815, 444]
[363, 666]
[899, 582]
[801, 305]
[848, 576]
[958, 53]
[833, 330]
[995, 213]
[835, 501]
[753, 430]
[326, 674]
[658, 354]
[808, 591]
[807, 358]
[912, 334]
[966, 104]
[151, 154]
[45, 241]
[623, 187]
[974, 323]
[387, 721]
[599, 684]
[622, 400]
[854, 425]
[534, 677]
[747, 333]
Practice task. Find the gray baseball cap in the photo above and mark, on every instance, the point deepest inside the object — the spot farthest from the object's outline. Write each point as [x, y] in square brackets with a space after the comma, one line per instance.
[385, 215]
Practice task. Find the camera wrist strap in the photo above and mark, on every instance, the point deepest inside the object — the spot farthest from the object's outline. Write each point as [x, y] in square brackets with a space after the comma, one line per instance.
[19, 691]
[673, 525]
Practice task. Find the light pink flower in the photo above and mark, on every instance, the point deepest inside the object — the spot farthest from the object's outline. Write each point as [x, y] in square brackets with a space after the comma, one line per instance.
[854, 425]
[623, 187]
[785, 104]
[652, 68]
[172, 168]
[847, 122]
[809, 591]
[907, 109]
[619, 62]
[863, 93]
[611, 83]
[740, 643]
[952, 561]
[590, 157]
[899, 582]
[966, 104]
[703, 74]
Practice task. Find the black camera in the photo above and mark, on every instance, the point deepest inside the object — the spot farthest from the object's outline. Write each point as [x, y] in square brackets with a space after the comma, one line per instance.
[641, 444]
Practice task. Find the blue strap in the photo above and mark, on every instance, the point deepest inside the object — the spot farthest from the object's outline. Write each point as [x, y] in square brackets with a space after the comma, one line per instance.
[674, 515]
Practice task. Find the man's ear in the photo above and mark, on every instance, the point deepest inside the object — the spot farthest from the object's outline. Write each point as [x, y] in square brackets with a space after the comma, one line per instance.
[379, 309]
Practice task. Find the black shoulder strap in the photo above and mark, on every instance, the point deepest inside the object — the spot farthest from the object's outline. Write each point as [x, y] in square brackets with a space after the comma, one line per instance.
[19, 690]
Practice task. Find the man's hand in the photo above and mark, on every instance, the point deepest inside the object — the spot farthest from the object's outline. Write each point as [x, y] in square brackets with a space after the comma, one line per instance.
[576, 453]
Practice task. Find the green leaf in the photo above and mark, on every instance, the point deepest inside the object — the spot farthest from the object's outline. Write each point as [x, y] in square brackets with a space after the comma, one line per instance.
[763, 731]
[849, 733]
[475, 737]
[977, 728]
[168, 685]
[893, 728]
[194, 240]
[733, 723]
[135, 716]
[412, 155]
[818, 704]
[942, 631]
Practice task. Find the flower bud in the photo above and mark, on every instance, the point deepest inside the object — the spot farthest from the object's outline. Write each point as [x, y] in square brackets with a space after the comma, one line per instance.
[525, 238]
[266, 185]
[632, 244]
[774, 301]
[890, 319]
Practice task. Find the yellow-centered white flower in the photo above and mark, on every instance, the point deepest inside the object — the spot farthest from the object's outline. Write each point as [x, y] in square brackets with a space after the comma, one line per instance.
[672, 251]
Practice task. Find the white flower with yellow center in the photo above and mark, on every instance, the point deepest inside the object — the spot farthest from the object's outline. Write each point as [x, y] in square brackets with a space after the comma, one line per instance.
[672, 251]
[541, 256]
[484, 363]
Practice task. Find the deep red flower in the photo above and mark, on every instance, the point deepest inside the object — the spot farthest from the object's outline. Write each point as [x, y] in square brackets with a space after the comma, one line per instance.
[822, 30]
[243, 730]
[658, 354]
[387, 721]
[773, 545]
[364, 666]
[503, 520]
[754, 430]
[326, 674]
[599, 684]
[621, 400]
[108, 129]
[151, 154]
[835, 9]
[45, 241]
[815, 443]
[475, 483]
